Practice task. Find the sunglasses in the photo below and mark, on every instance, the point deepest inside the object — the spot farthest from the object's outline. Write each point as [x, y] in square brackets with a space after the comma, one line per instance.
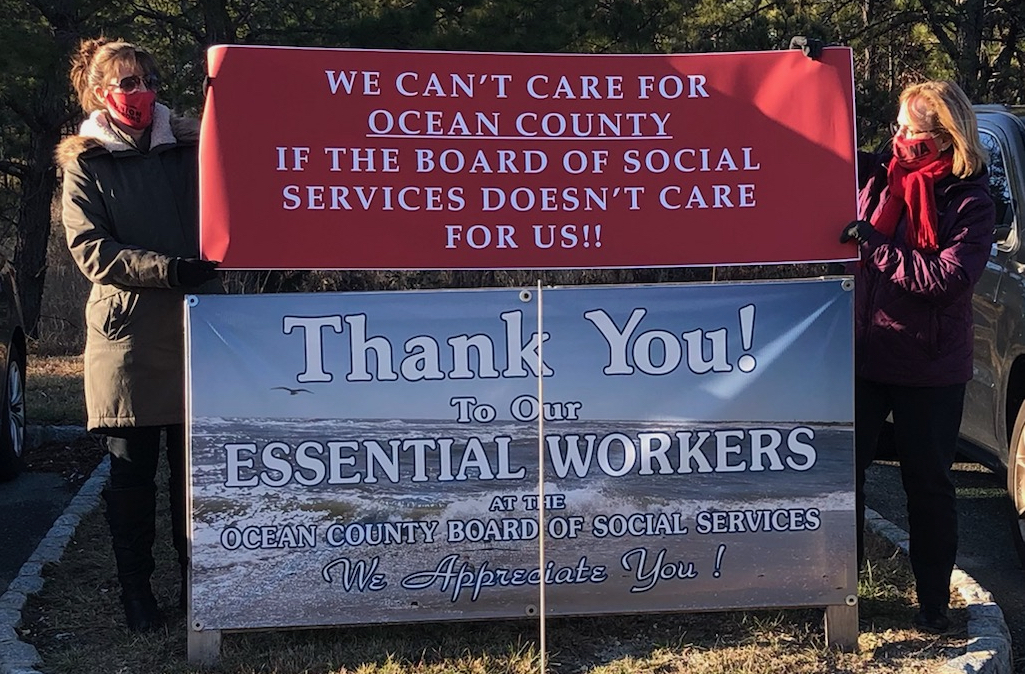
[900, 129]
[133, 83]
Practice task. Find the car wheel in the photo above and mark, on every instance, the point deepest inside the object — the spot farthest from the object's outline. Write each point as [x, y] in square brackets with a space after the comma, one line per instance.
[1019, 537]
[12, 416]
[1016, 482]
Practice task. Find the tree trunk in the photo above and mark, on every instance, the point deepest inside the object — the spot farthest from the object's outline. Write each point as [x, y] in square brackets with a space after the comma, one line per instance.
[969, 48]
[219, 28]
[38, 186]
[1003, 86]
[868, 17]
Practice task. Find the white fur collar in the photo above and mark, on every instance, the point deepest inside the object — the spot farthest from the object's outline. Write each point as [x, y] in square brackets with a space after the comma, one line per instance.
[98, 127]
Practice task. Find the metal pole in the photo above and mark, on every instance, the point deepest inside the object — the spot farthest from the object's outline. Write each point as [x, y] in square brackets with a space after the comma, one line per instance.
[541, 479]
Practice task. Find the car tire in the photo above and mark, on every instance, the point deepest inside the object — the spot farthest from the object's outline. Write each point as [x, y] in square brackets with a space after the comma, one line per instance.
[1016, 482]
[12, 416]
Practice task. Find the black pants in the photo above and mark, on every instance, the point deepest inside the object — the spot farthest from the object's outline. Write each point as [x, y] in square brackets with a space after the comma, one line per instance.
[134, 454]
[926, 421]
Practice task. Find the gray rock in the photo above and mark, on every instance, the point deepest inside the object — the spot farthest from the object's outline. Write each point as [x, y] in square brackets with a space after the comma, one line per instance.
[10, 617]
[18, 653]
[28, 584]
[14, 599]
[7, 633]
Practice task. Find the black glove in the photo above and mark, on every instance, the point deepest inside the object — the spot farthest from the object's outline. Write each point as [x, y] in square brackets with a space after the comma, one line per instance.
[192, 272]
[811, 47]
[859, 230]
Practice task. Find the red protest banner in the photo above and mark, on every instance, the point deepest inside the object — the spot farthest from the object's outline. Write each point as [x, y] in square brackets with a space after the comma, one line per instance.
[374, 159]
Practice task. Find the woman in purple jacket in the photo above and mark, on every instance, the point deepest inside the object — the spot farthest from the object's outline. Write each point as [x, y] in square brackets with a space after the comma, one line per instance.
[924, 235]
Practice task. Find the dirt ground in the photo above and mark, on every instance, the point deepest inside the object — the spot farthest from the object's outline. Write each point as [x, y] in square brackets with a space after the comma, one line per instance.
[73, 459]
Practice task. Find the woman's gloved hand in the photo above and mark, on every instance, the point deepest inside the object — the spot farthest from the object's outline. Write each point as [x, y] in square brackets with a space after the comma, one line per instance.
[192, 272]
[811, 47]
[859, 230]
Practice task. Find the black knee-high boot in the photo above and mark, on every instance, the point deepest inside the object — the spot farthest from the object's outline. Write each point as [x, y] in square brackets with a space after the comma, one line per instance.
[131, 514]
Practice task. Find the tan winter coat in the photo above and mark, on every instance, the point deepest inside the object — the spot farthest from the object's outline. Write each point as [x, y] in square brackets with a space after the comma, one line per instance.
[127, 215]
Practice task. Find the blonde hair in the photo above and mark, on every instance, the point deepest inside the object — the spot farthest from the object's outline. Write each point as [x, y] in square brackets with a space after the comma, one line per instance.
[948, 111]
[94, 62]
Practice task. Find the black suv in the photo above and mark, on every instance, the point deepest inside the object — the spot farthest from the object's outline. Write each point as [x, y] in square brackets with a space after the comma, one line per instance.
[12, 388]
[993, 423]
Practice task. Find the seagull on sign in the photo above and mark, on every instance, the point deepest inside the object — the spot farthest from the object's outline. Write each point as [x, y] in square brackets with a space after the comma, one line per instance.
[292, 391]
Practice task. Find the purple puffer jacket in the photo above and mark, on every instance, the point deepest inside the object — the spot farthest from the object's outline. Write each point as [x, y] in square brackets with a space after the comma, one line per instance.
[913, 310]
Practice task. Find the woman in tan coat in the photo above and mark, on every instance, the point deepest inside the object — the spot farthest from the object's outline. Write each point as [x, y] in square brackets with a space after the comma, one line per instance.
[130, 211]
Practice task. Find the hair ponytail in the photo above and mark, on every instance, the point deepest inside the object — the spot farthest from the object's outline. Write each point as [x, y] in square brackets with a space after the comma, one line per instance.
[81, 63]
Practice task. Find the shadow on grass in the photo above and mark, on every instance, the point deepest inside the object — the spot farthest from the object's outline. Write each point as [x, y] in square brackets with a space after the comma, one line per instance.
[76, 624]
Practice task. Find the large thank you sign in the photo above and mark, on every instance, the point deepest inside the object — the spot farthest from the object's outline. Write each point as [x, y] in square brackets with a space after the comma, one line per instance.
[369, 159]
[375, 457]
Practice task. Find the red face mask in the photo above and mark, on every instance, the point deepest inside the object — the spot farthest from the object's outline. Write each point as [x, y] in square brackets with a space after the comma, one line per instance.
[134, 110]
[912, 152]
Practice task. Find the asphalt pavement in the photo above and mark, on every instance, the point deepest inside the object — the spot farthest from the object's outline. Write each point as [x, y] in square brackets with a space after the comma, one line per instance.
[29, 505]
[985, 551]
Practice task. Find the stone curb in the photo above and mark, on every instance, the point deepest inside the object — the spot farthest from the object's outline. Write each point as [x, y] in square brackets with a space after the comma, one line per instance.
[989, 641]
[17, 657]
[988, 650]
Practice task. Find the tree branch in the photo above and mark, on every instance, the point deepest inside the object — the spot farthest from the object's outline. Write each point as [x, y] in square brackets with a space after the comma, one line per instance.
[178, 22]
[13, 168]
[884, 24]
[743, 18]
[936, 21]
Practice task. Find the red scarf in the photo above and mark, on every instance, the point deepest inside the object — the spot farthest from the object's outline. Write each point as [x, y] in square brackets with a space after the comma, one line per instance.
[913, 188]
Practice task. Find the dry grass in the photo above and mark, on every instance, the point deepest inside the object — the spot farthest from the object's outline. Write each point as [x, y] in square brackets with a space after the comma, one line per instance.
[53, 390]
[76, 624]
[62, 314]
